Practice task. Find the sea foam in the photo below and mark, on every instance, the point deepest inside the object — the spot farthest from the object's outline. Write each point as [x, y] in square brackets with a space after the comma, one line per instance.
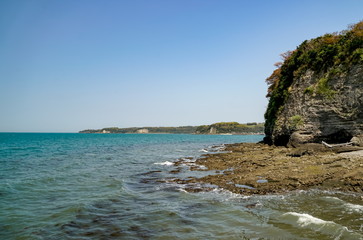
[350, 207]
[166, 163]
[354, 207]
[306, 221]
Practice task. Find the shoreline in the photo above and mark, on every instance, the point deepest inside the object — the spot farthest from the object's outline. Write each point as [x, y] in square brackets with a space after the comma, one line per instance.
[255, 168]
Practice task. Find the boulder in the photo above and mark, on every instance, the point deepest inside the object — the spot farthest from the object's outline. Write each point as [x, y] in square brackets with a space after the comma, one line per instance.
[357, 141]
[298, 138]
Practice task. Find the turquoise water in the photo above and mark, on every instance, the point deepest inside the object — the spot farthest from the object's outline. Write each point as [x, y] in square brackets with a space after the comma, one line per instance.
[116, 186]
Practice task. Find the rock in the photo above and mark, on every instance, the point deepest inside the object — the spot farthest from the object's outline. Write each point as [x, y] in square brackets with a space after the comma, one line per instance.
[298, 153]
[332, 119]
[357, 141]
[298, 138]
[318, 90]
[284, 169]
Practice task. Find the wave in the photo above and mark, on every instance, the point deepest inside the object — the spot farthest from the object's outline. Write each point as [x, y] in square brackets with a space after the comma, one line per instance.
[306, 221]
[354, 207]
[166, 163]
[350, 207]
[196, 166]
[214, 149]
[187, 159]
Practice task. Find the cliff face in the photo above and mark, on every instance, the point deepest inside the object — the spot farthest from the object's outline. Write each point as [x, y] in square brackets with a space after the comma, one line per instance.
[334, 116]
[317, 93]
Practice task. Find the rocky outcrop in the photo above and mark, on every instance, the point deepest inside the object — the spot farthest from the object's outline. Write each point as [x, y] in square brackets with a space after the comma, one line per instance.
[334, 116]
[316, 94]
[250, 168]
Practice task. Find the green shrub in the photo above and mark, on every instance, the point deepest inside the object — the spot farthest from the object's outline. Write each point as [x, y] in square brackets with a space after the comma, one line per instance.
[295, 122]
[309, 90]
[323, 88]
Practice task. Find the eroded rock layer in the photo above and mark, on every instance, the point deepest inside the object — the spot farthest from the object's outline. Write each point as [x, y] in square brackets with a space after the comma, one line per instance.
[311, 117]
[316, 94]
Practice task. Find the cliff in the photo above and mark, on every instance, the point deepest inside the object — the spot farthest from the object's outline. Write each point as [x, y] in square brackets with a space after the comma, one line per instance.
[317, 92]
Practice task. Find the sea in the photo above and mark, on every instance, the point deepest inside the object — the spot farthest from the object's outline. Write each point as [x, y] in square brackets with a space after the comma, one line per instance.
[120, 186]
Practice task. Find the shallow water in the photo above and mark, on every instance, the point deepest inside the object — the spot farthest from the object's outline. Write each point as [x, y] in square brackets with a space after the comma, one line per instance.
[116, 186]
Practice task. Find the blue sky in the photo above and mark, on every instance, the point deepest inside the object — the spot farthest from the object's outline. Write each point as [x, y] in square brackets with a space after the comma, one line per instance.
[71, 65]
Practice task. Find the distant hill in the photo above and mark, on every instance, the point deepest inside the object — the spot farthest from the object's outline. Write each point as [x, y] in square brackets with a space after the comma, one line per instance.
[216, 128]
[182, 129]
[231, 128]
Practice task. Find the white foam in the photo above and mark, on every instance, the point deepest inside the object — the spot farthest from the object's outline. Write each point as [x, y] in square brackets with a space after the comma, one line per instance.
[192, 164]
[166, 163]
[202, 167]
[188, 160]
[203, 150]
[333, 199]
[182, 190]
[330, 228]
[348, 206]
[222, 194]
[304, 220]
[354, 207]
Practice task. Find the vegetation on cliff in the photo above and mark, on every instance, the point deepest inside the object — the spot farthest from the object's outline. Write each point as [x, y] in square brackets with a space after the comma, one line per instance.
[327, 56]
[230, 128]
[182, 129]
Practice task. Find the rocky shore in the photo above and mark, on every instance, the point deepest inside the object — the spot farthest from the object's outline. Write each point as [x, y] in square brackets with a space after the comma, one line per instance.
[252, 168]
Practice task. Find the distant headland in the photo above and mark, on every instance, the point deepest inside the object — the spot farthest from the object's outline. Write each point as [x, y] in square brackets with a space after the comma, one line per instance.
[230, 128]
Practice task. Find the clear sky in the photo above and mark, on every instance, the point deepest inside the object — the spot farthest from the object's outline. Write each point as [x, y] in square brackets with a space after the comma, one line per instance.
[69, 65]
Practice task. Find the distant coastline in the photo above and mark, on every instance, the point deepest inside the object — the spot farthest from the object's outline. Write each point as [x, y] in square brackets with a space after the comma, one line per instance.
[222, 128]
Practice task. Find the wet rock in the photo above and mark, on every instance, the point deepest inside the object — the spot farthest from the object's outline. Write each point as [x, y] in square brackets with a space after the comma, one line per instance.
[315, 167]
